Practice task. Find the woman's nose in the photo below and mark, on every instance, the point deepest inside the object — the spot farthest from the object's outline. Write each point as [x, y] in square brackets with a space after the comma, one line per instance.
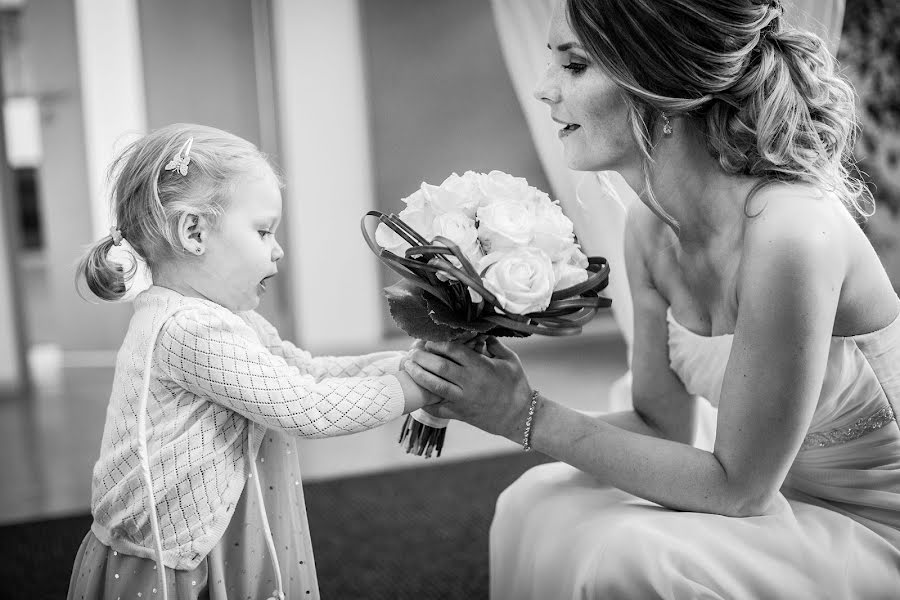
[546, 89]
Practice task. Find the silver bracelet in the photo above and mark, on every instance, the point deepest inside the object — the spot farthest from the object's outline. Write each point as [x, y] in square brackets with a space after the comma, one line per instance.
[526, 440]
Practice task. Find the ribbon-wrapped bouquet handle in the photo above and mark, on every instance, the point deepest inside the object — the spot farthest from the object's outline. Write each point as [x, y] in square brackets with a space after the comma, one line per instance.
[500, 266]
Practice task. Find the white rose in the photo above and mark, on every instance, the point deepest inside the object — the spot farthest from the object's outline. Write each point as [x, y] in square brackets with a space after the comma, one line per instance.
[568, 275]
[571, 269]
[522, 279]
[467, 189]
[503, 225]
[389, 240]
[416, 214]
[553, 231]
[498, 186]
[443, 200]
[419, 216]
[576, 257]
[460, 229]
[416, 199]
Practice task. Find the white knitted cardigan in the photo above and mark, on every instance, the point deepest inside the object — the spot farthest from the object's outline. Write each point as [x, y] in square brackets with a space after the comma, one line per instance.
[217, 381]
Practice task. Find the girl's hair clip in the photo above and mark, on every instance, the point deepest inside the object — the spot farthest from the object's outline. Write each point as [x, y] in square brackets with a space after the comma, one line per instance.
[181, 160]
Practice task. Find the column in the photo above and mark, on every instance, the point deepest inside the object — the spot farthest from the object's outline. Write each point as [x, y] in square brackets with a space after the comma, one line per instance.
[325, 155]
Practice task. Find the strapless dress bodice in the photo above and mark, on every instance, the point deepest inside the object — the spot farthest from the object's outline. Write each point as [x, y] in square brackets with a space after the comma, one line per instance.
[850, 457]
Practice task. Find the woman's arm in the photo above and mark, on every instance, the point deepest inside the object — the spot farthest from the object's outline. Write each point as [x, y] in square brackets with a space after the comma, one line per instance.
[788, 291]
[661, 403]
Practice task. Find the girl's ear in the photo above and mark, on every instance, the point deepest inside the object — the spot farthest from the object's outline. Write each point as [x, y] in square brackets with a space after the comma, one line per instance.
[193, 231]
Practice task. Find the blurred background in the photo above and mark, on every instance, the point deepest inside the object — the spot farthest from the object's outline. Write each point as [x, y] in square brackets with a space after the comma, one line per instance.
[357, 102]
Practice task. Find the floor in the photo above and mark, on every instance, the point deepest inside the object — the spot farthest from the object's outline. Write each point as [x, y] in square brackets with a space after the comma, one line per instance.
[49, 440]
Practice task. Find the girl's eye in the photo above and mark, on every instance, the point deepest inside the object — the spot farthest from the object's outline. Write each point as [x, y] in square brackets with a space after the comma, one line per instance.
[575, 67]
[263, 233]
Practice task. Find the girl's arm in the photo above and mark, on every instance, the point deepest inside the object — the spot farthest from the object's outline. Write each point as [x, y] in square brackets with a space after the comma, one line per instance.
[218, 356]
[788, 291]
[377, 363]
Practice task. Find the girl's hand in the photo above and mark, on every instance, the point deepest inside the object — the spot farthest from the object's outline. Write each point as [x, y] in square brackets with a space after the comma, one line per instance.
[414, 396]
[416, 345]
[489, 391]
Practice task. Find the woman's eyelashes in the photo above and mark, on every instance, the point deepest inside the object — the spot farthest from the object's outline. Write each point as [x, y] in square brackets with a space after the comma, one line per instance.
[263, 233]
[575, 67]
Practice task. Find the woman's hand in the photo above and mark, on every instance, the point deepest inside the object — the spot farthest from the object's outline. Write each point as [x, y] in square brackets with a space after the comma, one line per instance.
[489, 391]
[414, 396]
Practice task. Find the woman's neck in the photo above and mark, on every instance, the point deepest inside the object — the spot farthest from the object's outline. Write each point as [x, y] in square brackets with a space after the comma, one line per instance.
[706, 203]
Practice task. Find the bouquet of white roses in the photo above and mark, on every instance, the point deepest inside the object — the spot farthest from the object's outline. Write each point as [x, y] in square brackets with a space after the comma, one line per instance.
[484, 254]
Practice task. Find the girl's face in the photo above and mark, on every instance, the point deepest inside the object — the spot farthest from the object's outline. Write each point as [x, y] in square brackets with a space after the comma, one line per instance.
[588, 107]
[241, 251]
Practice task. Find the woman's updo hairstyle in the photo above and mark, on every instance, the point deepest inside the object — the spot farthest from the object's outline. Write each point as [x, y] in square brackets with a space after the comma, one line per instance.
[768, 99]
[148, 199]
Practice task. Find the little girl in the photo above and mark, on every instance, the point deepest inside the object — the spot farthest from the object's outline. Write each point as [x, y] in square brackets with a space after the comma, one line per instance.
[197, 492]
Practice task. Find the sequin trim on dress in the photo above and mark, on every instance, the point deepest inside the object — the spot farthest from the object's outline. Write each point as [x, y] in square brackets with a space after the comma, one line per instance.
[841, 435]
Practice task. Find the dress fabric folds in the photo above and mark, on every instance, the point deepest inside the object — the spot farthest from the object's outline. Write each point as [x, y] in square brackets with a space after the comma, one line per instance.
[834, 533]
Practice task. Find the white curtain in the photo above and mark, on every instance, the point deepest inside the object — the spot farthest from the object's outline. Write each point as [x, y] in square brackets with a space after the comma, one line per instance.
[597, 202]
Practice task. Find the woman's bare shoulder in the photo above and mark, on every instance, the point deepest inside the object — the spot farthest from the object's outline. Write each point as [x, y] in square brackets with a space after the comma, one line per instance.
[815, 235]
[797, 204]
[798, 216]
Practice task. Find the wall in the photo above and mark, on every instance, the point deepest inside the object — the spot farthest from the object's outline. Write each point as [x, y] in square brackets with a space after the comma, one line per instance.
[49, 32]
[12, 367]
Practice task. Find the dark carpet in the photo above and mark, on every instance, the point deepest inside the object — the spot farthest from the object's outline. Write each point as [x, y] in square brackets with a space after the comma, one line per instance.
[416, 533]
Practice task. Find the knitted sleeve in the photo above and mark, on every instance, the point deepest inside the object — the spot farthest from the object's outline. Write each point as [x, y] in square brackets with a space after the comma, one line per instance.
[377, 363]
[218, 356]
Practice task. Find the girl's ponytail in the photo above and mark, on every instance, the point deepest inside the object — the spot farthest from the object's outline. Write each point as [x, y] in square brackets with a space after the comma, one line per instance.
[105, 278]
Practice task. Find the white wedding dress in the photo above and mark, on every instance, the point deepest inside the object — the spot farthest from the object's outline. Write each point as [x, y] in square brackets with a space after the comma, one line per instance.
[559, 533]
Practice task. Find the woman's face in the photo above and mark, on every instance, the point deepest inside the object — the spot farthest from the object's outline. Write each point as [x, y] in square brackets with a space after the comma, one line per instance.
[588, 107]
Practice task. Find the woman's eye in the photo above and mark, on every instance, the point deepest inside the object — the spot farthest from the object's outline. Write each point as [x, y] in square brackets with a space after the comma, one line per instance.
[575, 67]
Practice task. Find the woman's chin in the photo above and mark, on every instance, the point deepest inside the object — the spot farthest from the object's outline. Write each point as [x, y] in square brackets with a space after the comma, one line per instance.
[578, 160]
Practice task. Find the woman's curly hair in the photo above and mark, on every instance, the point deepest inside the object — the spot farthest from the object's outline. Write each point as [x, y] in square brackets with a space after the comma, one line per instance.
[768, 99]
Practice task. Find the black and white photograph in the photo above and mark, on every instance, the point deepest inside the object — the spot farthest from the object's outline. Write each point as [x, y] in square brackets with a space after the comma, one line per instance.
[450, 299]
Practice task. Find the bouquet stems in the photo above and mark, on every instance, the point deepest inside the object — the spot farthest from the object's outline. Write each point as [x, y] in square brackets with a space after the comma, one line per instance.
[423, 433]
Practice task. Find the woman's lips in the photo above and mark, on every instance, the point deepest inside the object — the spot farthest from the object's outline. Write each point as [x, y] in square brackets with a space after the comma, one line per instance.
[568, 129]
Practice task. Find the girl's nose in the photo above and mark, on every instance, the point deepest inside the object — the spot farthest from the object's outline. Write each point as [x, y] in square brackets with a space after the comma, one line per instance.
[546, 89]
[278, 252]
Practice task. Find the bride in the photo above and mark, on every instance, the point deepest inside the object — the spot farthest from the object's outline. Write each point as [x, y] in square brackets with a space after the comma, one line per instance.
[753, 287]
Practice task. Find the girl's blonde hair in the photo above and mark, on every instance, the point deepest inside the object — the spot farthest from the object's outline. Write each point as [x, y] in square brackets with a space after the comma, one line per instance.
[148, 200]
[768, 100]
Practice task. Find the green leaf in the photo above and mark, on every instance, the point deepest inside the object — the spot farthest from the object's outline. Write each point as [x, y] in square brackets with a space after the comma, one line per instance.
[443, 314]
[411, 312]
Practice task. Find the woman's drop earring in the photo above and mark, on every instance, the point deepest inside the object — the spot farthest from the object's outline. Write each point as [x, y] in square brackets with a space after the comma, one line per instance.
[667, 125]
